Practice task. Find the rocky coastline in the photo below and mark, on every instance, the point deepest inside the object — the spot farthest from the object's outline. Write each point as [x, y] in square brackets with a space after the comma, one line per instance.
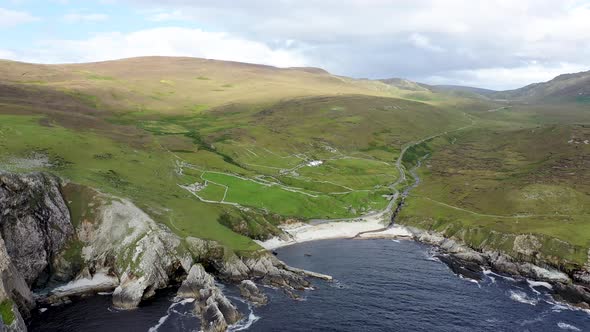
[48, 256]
[572, 287]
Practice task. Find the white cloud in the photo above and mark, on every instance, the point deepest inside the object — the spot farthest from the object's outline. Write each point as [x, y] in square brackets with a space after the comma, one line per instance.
[175, 15]
[170, 41]
[6, 54]
[9, 18]
[499, 78]
[91, 17]
[424, 42]
[417, 39]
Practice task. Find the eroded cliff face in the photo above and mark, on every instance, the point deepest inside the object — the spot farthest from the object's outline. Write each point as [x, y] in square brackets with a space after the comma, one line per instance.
[34, 227]
[35, 223]
[111, 244]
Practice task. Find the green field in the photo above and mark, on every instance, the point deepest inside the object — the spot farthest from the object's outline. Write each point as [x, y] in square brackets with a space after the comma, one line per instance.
[228, 151]
[215, 152]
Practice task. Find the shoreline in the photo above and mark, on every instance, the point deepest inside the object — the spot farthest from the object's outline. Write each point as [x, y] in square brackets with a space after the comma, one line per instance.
[463, 260]
[302, 232]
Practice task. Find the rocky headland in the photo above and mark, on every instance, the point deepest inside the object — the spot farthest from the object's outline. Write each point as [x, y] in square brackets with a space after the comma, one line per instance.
[50, 253]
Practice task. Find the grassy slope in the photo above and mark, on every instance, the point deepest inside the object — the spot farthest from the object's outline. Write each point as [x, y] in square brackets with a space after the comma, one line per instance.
[126, 127]
[523, 170]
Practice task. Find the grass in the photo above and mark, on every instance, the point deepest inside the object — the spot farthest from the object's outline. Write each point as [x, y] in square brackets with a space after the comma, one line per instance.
[6, 311]
[127, 130]
[520, 173]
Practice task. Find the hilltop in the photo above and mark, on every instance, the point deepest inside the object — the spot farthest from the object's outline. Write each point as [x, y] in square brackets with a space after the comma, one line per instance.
[563, 88]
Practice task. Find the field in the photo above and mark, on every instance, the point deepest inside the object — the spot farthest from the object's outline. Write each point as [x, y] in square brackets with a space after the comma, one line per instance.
[228, 151]
[521, 170]
[216, 150]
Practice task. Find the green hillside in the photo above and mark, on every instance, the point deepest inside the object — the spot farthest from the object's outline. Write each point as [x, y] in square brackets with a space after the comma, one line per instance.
[206, 146]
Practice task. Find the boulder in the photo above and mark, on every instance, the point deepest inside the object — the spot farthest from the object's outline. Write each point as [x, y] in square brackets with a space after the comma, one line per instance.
[215, 310]
[250, 292]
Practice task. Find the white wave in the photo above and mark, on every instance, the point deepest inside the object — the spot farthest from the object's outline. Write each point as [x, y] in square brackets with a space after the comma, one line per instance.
[470, 280]
[522, 297]
[491, 273]
[565, 326]
[533, 283]
[104, 293]
[561, 306]
[396, 241]
[170, 310]
[244, 324]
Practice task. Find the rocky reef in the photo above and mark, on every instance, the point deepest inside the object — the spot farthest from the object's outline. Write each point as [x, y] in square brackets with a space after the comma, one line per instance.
[572, 286]
[112, 245]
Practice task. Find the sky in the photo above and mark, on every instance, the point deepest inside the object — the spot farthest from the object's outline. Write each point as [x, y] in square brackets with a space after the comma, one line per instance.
[496, 44]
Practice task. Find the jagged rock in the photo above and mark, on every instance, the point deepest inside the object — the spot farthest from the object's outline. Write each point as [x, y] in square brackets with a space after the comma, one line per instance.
[228, 265]
[85, 284]
[35, 221]
[197, 281]
[468, 269]
[542, 273]
[250, 292]
[575, 294]
[15, 291]
[270, 270]
[215, 310]
[145, 254]
[526, 244]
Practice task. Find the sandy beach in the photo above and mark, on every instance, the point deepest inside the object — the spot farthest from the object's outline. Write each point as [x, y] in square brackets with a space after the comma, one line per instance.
[302, 232]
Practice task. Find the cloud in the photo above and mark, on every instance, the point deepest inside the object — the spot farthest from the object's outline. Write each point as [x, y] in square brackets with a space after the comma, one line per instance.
[10, 18]
[505, 77]
[416, 40]
[175, 15]
[170, 41]
[424, 42]
[78, 17]
[470, 41]
[6, 54]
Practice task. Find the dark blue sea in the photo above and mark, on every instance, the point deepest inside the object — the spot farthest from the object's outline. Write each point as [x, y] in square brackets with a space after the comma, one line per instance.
[380, 285]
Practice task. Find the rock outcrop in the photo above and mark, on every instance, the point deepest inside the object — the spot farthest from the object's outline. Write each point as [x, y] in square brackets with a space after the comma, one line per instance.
[215, 310]
[250, 292]
[573, 288]
[114, 246]
[144, 254]
[15, 296]
[34, 222]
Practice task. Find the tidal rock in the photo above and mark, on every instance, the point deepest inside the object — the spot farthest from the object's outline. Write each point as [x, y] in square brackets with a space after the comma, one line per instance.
[503, 263]
[226, 263]
[465, 268]
[271, 271]
[577, 295]
[250, 292]
[198, 284]
[35, 222]
[215, 310]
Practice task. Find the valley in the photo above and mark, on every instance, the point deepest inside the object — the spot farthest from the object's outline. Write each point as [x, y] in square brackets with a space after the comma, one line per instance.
[211, 161]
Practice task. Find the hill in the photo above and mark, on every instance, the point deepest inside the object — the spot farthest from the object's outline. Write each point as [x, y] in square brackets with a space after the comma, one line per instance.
[563, 88]
[216, 150]
[228, 151]
[464, 90]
